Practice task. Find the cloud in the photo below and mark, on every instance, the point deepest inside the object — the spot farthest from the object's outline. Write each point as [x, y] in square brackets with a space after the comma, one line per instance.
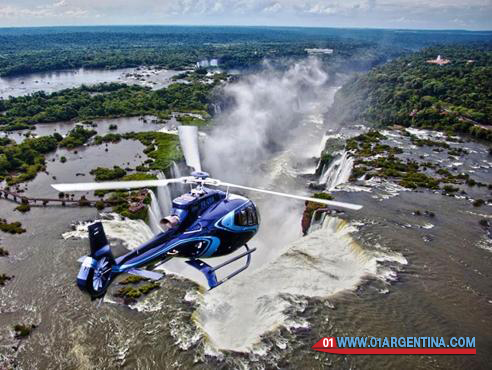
[358, 13]
[46, 11]
[59, 3]
[273, 8]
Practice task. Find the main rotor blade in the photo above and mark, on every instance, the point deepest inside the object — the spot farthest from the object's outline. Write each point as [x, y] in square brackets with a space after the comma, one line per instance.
[188, 137]
[316, 200]
[114, 185]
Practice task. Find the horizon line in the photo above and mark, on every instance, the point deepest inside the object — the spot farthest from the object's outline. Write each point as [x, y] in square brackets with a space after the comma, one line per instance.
[245, 26]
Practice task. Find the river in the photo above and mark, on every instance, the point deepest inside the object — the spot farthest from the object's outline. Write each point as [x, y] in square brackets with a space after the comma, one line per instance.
[381, 271]
[59, 80]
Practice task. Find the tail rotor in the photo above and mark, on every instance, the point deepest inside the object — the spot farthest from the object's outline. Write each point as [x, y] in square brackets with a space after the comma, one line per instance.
[96, 273]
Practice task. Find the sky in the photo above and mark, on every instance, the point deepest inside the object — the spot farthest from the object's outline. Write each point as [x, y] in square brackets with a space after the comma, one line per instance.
[409, 14]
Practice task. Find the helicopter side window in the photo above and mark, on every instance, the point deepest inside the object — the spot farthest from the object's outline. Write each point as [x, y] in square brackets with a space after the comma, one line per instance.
[246, 217]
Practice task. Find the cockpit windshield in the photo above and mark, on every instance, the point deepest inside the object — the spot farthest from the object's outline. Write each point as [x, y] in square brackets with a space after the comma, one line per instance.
[247, 216]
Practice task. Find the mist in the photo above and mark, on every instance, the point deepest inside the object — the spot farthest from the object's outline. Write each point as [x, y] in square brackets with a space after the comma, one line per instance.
[268, 138]
[268, 113]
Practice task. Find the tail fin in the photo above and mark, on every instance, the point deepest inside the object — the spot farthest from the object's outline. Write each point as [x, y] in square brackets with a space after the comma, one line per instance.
[96, 272]
[98, 240]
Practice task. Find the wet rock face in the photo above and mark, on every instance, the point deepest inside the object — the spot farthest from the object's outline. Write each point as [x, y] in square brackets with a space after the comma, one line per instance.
[310, 208]
[306, 220]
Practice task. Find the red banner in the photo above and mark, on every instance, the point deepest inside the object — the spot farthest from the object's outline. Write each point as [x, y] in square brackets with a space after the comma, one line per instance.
[329, 345]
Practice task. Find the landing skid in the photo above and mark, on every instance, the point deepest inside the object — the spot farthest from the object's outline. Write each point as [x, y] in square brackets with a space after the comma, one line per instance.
[209, 271]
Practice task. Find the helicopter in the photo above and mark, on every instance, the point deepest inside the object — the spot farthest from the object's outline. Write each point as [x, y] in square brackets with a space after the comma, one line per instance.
[203, 223]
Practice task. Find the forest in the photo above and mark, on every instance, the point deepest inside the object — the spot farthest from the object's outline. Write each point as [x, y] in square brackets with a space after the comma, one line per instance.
[455, 97]
[27, 50]
[21, 162]
[103, 101]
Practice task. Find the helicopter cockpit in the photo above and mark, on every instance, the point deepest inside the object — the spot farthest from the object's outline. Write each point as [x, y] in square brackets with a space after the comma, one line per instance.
[248, 216]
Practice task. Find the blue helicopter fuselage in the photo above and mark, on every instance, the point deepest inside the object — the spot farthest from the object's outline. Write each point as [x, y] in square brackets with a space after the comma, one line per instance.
[206, 223]
[211, 224]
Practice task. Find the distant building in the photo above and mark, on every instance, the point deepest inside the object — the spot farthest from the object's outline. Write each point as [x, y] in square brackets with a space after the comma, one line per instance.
[205, 63]
[440, 61]
[319, 51]
[202, 64]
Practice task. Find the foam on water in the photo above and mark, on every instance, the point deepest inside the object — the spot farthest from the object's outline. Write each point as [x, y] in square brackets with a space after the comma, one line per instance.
[381, 188]
[131, 232]
[485, 243]
[321, 264]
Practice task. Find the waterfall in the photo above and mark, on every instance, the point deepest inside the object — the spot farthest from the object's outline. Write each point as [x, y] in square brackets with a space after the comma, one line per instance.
[188, 136]
[164, 197]
[178, 188]
[154, 205]
[131, 232]
[154, 222]
[317, 224]
[338, 172]
[217, 108]
[175, 171]
[155, 214]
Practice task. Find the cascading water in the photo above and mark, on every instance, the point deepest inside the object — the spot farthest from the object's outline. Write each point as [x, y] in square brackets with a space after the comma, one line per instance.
[338, 172]
[176, 189]
[217, 108]
[164, 197]
[319, 265]
[155, 214]
[188, 136]
[175, 171]
[131, 232]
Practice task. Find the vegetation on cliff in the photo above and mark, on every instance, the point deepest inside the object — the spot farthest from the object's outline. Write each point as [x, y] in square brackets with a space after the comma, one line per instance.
[22, 330]
[134, 287]
[455, 97]
[122, 200]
